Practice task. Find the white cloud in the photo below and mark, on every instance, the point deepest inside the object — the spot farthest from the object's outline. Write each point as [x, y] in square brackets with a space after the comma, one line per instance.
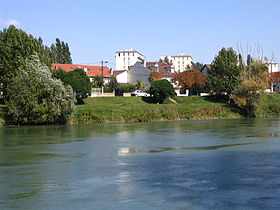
[10, 22]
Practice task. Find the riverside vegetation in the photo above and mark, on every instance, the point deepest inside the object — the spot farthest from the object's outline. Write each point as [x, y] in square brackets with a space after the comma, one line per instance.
[134, 109]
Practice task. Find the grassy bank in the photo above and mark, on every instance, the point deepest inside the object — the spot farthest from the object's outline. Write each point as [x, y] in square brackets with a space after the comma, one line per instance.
[134, 109]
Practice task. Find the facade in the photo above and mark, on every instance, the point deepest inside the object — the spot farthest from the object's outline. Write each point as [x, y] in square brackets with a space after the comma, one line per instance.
[181, 62]
[138, 72]
[121, 76]
[272, 67]
[127, 58]
[91, 71]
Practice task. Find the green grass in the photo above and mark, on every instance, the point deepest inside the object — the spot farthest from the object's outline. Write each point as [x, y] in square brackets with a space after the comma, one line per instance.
[134, 109]
[270, 107]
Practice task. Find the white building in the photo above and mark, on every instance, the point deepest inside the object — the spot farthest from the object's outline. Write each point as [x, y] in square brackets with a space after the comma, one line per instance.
[181, 61]
[127, 58]
[272, 67]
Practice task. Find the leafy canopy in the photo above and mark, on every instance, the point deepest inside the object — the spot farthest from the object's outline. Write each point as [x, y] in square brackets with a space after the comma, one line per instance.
[161, 90]
[35, 97]
[224, 76]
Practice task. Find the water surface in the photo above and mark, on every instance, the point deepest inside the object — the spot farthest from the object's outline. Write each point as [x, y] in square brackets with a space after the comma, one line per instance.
[217, 164]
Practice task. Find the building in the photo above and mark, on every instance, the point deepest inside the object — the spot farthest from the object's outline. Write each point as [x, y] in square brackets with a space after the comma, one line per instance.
[166, 71]
[127, 58]
[181, 62]
[272, 67]
[206, 69]
[134, 73]
[91, 71]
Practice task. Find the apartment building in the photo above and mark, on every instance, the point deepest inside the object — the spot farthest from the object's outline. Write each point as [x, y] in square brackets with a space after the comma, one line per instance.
[181, 62]
[127, 58]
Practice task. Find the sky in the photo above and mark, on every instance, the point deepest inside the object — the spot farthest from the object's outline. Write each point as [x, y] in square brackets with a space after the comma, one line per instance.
[96, 29]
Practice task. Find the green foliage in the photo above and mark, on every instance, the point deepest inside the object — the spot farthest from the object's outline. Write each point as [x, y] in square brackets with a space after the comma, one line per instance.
[113, 84]
[126, 88]
[35, 97]
[16, 47]
[167, 61]
[140, 85]
[196, 67]
[98, 81]
[60, 52]
[250, 93]
[134, 109]
[79, 81]
[224, 76]
[58, 73]
[161, 89]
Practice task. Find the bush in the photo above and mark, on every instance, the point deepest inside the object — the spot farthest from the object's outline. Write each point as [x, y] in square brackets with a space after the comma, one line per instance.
[126, 88]
[34, 97]
[161, 90]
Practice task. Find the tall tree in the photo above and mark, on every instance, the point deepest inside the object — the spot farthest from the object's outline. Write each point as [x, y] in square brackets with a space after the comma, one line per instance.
[16, 47]
[60, 52]
[224, 76]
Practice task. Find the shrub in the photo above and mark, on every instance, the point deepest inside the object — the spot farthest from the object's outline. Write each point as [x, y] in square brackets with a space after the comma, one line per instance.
[161, 89]
[34, 97]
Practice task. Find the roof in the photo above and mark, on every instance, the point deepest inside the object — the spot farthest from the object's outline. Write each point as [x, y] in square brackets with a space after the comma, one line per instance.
[162, 67]
[115, 73]
[209, 66]
[129, 51]
[90, 70]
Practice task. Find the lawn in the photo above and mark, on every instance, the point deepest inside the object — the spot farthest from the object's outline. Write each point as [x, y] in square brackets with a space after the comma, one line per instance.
[135, 109]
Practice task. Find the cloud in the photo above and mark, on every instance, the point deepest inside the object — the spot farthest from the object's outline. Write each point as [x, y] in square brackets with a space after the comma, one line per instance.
[10, 22]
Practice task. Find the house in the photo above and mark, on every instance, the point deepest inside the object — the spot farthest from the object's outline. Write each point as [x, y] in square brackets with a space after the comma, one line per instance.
[206, 69]
[167, 70]
[272, 67]
[134, 73]
[181, 62]
[127, 58]
[91, 71]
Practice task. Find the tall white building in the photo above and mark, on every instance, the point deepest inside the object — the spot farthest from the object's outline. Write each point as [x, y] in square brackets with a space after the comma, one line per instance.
[127, 58]
[180, 61]
[272, 67]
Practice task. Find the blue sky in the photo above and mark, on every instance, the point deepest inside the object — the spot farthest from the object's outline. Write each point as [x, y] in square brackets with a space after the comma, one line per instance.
[95, 29]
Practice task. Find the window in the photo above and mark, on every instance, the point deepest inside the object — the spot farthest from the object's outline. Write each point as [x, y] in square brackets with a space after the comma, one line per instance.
[178, 62]
[119, 54]
[128, 58]
[124, 58]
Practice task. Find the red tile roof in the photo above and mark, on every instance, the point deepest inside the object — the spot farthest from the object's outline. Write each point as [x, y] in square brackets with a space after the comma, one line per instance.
[162, 68]
[90, 70]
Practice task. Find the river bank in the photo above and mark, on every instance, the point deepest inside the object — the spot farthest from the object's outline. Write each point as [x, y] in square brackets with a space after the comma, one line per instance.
[135, 109]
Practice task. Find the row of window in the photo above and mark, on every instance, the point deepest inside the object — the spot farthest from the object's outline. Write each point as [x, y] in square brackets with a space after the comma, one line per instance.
[125, 53]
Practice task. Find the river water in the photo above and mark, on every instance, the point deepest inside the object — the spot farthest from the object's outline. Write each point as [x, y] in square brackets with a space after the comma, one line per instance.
[216, 164]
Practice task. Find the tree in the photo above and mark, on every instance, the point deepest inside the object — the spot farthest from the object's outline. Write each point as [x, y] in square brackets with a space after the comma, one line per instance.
[60, 52]
[79, 81]
[224, 76]
[167, 61]
[113, 84]
[196, 67]
[35, 97]
[98, 81]
[16, 47]
[155, 76]
[249, 94]
[140, 85]
[161, 90]
[194, 81]
[59, 73]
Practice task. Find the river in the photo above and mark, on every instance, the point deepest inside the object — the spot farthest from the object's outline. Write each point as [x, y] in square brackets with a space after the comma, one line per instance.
[215, 164]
